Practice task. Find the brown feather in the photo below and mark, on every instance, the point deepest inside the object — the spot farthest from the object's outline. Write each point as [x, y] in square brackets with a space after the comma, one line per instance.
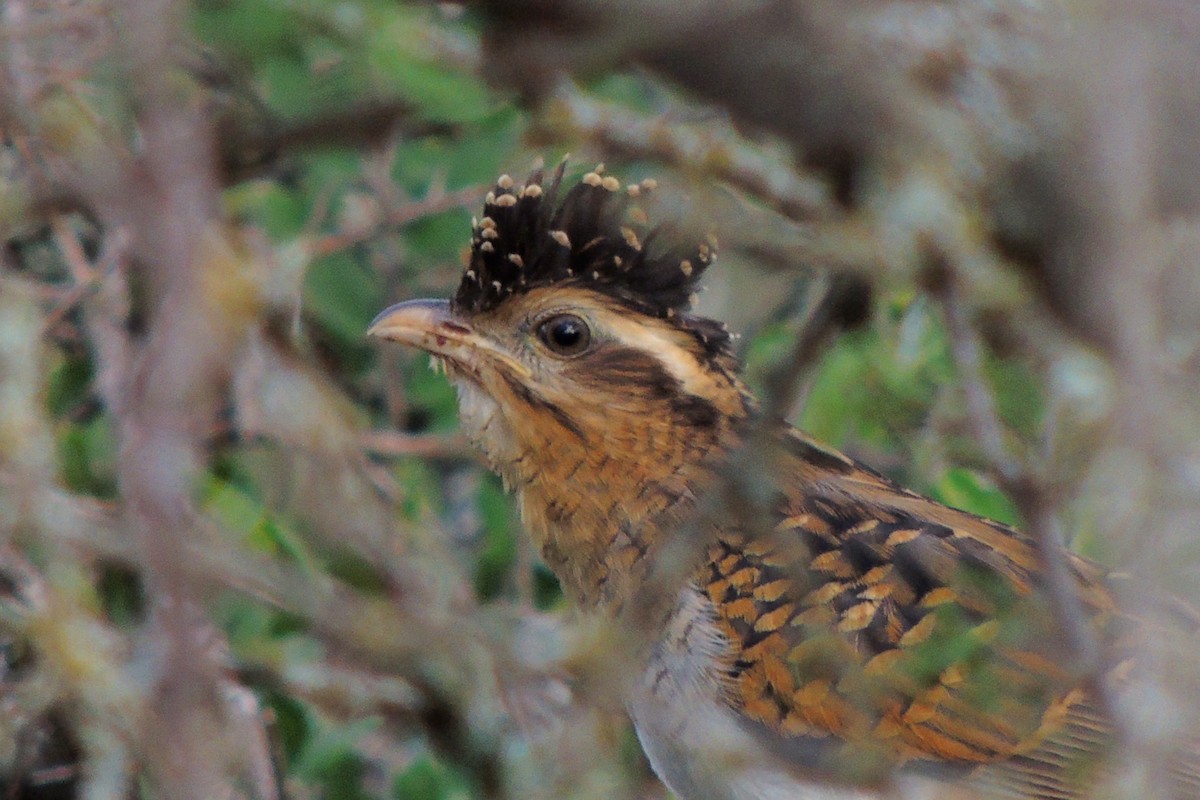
[909, 629]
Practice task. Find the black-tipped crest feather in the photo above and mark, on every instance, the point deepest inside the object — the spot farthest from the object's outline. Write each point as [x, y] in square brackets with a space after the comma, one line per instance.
[595, 237]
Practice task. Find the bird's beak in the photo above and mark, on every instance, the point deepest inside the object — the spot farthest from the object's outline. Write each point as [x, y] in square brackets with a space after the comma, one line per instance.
[432, 326]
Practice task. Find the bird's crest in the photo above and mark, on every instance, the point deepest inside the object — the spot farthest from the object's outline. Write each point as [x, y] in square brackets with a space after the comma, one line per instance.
[594, 236]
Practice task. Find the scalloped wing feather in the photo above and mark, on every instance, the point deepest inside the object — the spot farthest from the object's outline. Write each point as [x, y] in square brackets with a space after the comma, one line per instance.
[877, 627]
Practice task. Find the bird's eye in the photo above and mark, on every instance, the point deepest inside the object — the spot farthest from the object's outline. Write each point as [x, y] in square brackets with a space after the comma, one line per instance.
[565, 334]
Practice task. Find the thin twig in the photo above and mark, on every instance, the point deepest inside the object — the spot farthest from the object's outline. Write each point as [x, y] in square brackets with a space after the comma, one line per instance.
[88, 277]
[434, 203]
[427, 445]
[844, 303]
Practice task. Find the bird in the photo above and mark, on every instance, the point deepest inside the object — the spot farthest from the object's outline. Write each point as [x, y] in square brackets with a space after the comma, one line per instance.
[815, 631]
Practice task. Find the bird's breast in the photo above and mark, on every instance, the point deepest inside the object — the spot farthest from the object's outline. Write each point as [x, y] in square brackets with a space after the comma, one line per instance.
[696, 743]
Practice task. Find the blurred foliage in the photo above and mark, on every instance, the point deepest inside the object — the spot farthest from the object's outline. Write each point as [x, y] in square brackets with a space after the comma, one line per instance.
[886, 392]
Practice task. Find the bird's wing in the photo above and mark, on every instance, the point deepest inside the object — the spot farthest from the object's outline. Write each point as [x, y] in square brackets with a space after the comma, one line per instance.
[1072, 756]
[877, 627]
[1052, 769]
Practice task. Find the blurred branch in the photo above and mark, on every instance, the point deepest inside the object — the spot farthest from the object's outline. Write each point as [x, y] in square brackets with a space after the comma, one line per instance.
[88, 278]
[904, 157]
[711, 149]
[160, 210]
[214, 560]
[744, 53]
[80, 655]
[844, 303]
[401, 638]
[437, 201]
[431, 445]
[250, 141]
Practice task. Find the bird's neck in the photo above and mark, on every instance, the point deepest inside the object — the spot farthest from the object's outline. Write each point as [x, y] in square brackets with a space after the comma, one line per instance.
[597, 500]
[598, 515]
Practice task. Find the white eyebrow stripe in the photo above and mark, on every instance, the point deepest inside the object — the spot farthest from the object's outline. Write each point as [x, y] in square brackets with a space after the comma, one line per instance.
[666, 349]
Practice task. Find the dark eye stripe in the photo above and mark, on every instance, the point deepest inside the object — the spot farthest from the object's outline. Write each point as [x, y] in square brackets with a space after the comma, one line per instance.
[617, 365]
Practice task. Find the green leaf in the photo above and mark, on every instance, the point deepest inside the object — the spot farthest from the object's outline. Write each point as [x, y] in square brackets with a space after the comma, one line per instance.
[970, 491]
[69, 384]
[1020, 403]
[428, 779]
[245, 27]
[354, 570]
[247, 625]
[440, 91]
[432, 395]
[500, 527]
[476, 159]
[626, 89]
[87, 455]
[547, 591]
[283, 213]
[835, 406]
[240, 512]
[285, 87]
[343, 296]
[420, 487]
[331, 759]
[293, 726]
[439, 238]
[122, 593]
[335, 168]
[768, 348]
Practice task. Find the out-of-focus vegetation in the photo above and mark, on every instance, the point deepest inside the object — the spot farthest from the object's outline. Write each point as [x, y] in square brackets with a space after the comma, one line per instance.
[243, 552]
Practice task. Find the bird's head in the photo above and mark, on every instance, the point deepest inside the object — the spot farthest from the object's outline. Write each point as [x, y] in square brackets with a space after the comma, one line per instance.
[581, 372]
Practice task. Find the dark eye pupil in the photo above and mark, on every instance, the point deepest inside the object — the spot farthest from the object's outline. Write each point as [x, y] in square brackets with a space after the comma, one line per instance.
[566, 334]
